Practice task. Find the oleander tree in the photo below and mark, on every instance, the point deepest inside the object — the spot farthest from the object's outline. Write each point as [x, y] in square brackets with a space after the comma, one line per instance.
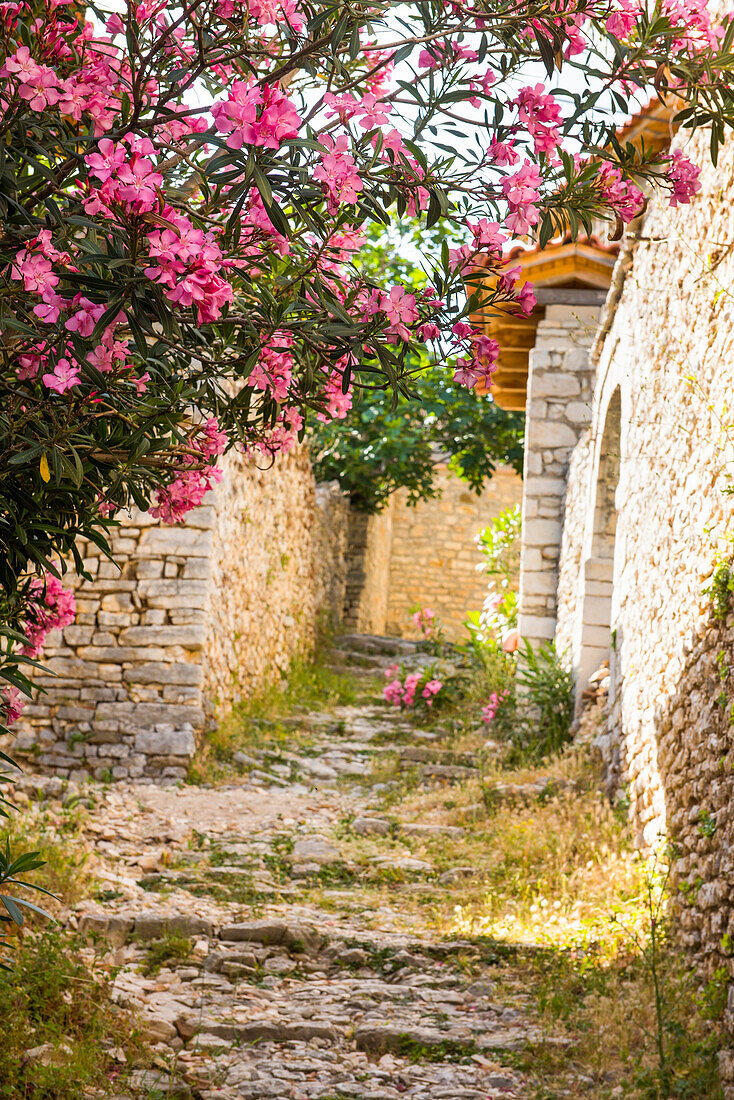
[184, 191]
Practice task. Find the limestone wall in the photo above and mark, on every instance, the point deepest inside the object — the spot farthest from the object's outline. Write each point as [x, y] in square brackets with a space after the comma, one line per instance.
[433, 560]
[648, 516]
[194, 617]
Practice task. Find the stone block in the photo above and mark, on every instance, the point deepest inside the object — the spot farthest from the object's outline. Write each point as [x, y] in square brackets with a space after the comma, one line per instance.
[541, 532]
[550, 384]
[190, 637]
[78, 635]
[578, 412]
[160, 672]
[157, 542]
[153, 926]
[173, 742]
[546, 433]
[536, 626]
[113, 930]
[543, 583]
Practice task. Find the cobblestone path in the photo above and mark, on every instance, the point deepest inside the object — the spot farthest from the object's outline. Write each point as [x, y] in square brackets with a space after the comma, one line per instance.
[269, 921]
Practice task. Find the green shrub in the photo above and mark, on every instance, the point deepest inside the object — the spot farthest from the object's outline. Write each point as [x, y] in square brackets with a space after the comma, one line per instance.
[544, 700]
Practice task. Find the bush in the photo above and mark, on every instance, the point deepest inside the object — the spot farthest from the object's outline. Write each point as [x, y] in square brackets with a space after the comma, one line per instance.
[544, 700]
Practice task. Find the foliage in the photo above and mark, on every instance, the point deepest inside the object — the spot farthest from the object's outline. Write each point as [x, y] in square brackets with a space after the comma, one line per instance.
[412, 690]
[172, 948]
[720, 589]
[266, 714]
[545, 699]
[183, 189]
[390, 440]
[499, 545]
[53, 997]
[10, 870]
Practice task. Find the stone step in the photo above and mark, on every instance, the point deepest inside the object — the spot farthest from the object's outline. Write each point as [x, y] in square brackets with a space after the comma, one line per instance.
[375, 643]
[353, 658]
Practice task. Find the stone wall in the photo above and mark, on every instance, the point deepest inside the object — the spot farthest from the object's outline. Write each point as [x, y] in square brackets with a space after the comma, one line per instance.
[647, 516]
[194, 617]
[423, 555]
[434, 560]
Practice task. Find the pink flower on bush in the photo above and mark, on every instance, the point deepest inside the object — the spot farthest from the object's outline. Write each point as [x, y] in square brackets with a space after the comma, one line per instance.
[403, 694]
[431, 688]
[495, 701]
[11, 703]
[425, 621]
[50, 607]
[511, 640]
[393, 692]
[64, 377]
[685, 177]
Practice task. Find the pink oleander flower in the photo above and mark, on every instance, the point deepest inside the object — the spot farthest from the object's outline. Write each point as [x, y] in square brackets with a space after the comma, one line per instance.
[511, 640]
[50, 607]
[64, 377]
[425, 620]
[541, 116]
[337, 171]
[431, 688]
[684, 176]
[496, 699]
[503, 153]
[35, 270]
[138, 182]
[253, 116]
[400, 309]
[621, 21]
[191, 485]
[11, 705]
[393, 693]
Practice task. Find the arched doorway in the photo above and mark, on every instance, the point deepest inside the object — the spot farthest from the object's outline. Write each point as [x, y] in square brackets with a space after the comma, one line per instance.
[597, 633]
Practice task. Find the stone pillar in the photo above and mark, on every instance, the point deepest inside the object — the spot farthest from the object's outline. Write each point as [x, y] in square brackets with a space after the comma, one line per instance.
[560, 389]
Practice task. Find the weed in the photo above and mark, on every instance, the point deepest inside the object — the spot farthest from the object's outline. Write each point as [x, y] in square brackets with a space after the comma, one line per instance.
[172, 948]
[58, 837]
[720, 589]
[269, 717]
[57, 1004]
[447, 1050]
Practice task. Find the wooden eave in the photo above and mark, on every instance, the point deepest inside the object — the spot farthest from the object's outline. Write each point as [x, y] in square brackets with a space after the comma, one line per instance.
[564, 272]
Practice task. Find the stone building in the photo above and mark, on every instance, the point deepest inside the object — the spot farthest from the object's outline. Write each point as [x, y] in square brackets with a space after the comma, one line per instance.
[627, 510]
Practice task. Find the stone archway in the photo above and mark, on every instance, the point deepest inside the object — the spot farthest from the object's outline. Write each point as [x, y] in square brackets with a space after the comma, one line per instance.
[597, 638]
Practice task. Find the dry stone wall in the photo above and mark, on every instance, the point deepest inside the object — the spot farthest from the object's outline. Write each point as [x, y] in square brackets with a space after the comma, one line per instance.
[423, 555]
[368, 570]
[434, 560]
[186, 621]
[647, 509]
